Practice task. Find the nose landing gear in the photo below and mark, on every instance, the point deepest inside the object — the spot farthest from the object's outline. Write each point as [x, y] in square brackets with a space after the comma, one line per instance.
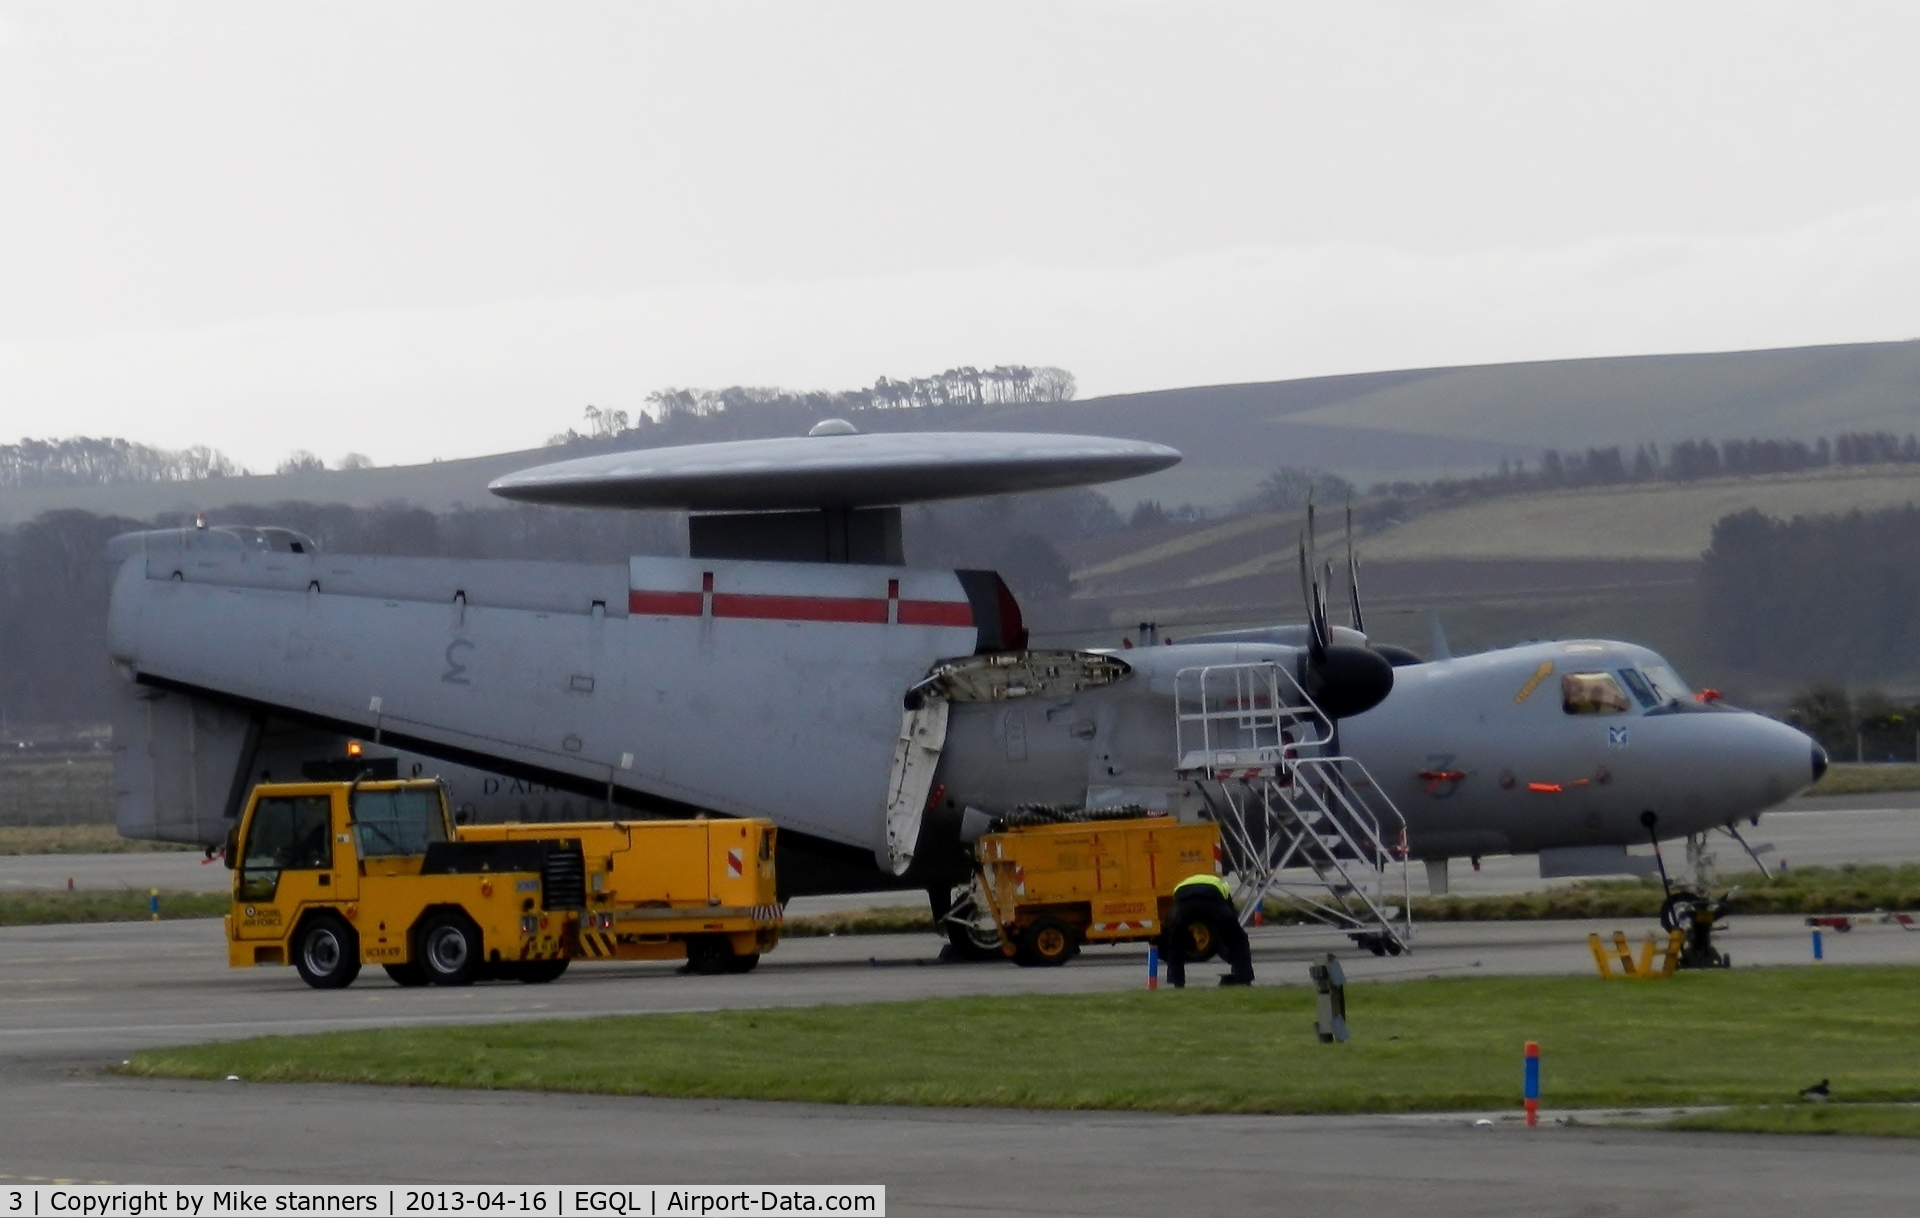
[1689, 911]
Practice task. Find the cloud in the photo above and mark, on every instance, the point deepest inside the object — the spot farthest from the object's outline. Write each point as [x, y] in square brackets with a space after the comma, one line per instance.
[406, 386]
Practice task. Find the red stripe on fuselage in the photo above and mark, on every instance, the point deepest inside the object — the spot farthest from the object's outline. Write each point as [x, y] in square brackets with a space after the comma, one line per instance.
[663, 604]
[936, 613]
[800, 608]
[764, 607]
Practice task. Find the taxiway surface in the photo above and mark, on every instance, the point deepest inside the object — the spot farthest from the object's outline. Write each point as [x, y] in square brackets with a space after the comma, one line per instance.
[76, 999]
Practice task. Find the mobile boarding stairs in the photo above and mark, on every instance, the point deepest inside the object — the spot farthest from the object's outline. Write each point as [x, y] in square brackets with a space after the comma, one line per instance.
[1300, 822]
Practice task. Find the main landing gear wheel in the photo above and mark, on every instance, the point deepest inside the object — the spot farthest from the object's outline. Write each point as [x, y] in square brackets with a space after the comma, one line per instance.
[450, 949]
[971, 935]
[1047, 943]
[327, 953]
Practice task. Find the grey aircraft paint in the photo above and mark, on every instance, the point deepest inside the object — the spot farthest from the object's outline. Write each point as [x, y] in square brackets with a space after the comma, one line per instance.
[782, 689]
[834, 468]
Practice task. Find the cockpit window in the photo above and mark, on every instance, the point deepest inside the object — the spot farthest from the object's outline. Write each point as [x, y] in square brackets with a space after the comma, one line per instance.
[1667, 685]
[1592, 693]
[1641, 687]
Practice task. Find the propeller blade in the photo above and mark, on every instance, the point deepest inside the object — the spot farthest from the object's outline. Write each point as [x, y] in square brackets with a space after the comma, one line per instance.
[1319, 626]
[1353, 574]
[1309, 596]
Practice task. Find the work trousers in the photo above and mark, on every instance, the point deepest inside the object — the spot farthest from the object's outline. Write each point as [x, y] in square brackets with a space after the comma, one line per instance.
[1202, 904]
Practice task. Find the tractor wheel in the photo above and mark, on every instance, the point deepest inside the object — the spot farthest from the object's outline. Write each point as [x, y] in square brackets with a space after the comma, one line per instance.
[1048, 943]
[327, 953]
[739, 963]
[450, 951]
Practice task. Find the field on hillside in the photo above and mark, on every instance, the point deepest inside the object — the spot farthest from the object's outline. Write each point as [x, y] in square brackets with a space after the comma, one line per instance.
[1792, 393]
[1666, 520]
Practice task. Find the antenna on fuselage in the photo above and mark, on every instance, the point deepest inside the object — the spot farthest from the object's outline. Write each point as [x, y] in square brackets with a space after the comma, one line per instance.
[1437, 639]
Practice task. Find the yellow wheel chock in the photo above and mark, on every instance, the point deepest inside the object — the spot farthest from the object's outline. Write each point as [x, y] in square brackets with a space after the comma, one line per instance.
[1643, 969]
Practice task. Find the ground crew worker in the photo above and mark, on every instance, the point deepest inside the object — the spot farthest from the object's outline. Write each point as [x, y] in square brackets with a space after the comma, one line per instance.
[1206, 899]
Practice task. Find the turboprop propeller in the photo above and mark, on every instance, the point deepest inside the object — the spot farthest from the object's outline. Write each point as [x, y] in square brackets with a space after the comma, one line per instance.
[1342, 679]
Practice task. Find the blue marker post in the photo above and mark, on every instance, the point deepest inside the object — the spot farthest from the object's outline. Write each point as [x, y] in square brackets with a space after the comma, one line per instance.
[1819, 948]
[153, 904]
[1533, 1083]
[1153, 967]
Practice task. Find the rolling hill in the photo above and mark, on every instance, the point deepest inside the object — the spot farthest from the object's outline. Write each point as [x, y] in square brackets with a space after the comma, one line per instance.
[1372, 426]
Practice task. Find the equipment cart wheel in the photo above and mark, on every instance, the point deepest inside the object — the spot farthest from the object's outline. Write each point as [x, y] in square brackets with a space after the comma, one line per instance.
[450, 949]
[710, 955]
[409, 975]
[1048, 943]
[327, 953]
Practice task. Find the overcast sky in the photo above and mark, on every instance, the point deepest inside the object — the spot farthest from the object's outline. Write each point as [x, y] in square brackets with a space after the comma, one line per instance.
[443, 229]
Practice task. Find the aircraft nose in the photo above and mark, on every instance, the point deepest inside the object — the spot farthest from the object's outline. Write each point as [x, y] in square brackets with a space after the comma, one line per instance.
[1819, 763]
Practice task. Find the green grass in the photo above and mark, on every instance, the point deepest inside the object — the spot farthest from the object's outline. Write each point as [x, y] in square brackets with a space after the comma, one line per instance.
[1850, 778]
[1852, 888]
[1873, 1120]
[1752, 1037]
[78, 839]
[41, 908]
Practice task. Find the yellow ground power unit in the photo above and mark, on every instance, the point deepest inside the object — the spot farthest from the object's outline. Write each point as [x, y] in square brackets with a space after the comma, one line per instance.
[1054, 887]
[664, 889]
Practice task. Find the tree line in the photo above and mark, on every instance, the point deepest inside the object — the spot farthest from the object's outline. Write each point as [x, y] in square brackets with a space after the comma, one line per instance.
[740, 411]
[1835, 597]
[1684, 461]
[89, 461]
[1864, 726]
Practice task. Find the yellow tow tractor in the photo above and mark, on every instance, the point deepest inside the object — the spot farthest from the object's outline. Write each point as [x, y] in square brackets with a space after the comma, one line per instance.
[1049, 888]
[330, 875]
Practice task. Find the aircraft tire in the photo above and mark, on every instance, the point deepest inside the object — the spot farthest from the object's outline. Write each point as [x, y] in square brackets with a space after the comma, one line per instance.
[408, 975]
[450, 950]
[327, 952]
[966, 946]
[1047, 943]
[1676, 912]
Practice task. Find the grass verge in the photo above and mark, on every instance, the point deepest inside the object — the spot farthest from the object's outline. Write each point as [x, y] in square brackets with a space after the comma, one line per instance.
[1872, 1120]
[1851, 888]
[1751, 1036]
[40, 908]
[78, 839]
[1812, 890]
[1853, 778]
